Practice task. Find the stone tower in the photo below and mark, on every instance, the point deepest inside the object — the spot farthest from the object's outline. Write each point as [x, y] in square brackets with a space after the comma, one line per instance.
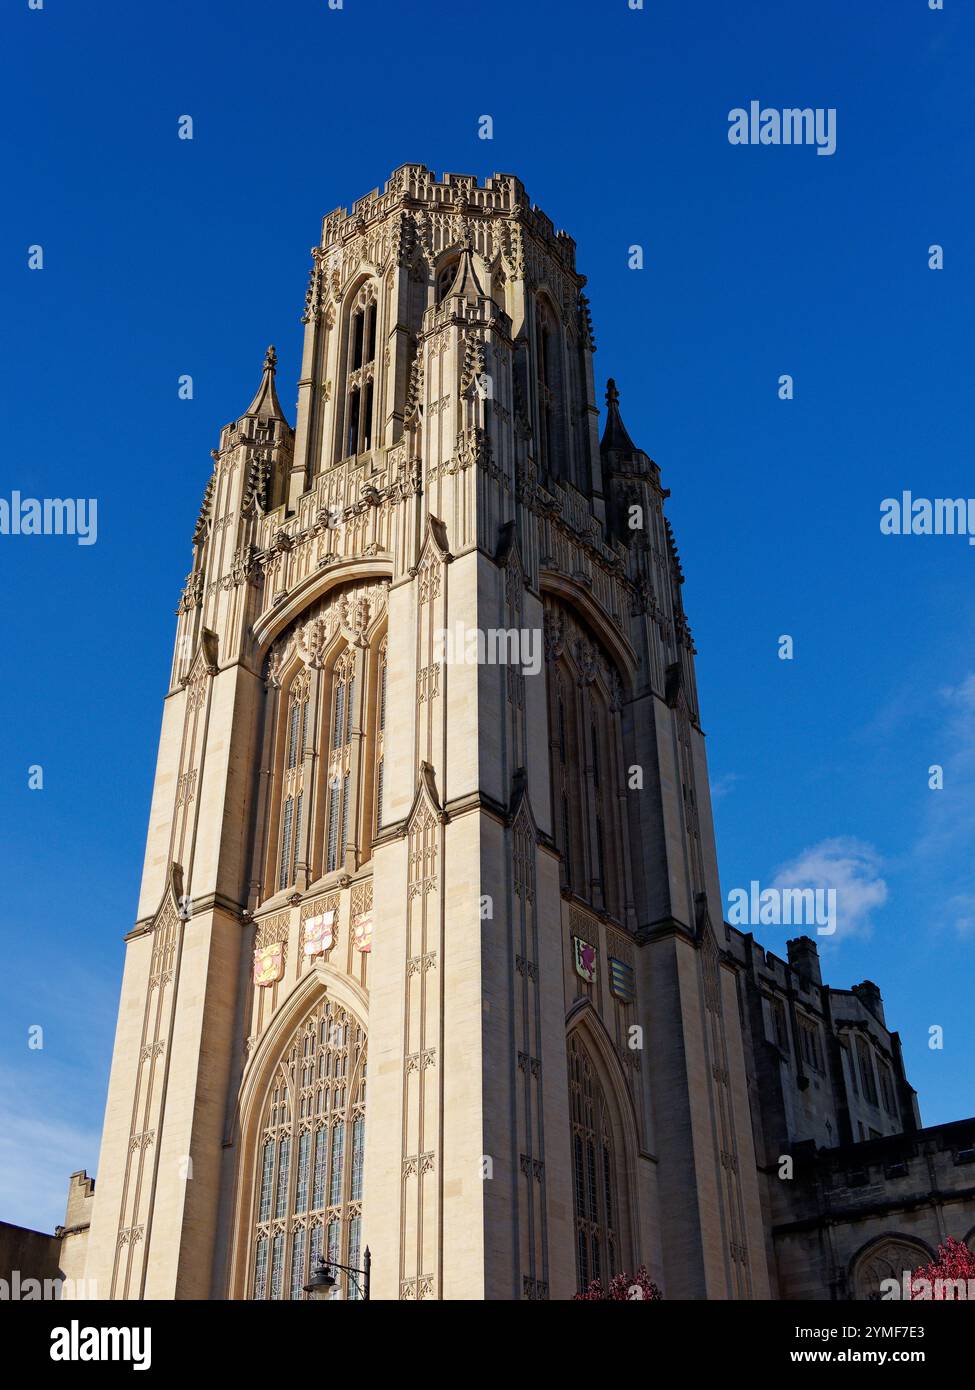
[429, 953]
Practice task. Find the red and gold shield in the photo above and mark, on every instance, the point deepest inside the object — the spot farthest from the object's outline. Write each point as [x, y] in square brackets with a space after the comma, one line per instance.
[269, 964]
[362, 931]
[584, 958]
[319, 934]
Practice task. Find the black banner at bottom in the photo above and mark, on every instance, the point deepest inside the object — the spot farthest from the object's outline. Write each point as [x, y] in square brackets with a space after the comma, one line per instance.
[169, 1338]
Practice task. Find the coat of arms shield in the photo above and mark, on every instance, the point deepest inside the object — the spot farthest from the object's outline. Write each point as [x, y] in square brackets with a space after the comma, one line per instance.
[621, 981]
[319, 934]
[362, 931]
[584, 956]
[268, 964]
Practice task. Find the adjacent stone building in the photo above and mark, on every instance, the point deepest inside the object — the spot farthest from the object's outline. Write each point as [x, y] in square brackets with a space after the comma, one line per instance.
[430, 951]
[868, 1193]
[38, 1265]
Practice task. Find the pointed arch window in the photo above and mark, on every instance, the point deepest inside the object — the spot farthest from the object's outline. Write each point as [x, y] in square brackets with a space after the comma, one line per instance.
[340, 760]
[548, 379]
[586, 769]
[606, 866]
[296, 729]
[326, 763]
[497, 287]
[357, 434]
[868, 1085]
[446, 276]
[380, 729]
[563, 777]
[887, 1258]
[594, 1188]
[308, 1188]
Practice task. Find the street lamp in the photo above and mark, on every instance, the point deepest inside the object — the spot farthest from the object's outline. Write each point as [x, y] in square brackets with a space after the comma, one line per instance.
[322, 1280]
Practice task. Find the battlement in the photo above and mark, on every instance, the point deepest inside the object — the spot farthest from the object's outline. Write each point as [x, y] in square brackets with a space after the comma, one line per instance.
[415, 187]
[896, 1172]
[770, 969]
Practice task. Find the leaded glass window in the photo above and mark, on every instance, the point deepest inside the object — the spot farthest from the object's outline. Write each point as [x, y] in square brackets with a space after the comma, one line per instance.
[340, 763]
[594, 1171]
[286, 825]
[293, 778]
[380, 732]
[585, 701]
[267, 1179]
[308, 1179]
[546, 381]
[260, 1269]
[360, 367]
[358, 1137]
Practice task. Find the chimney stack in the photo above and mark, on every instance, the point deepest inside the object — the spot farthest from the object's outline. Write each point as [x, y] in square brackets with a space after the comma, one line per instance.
[804, 958]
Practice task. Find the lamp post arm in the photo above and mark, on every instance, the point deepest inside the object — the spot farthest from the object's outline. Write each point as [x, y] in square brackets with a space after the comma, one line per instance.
[366, 1272]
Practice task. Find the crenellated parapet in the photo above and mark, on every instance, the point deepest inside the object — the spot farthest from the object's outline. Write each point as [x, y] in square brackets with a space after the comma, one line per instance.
[442, 210]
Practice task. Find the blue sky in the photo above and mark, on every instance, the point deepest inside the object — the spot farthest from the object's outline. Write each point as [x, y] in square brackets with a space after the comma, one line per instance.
[164, 257]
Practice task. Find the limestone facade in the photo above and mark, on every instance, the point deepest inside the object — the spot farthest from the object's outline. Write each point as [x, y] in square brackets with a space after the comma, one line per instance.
[429, 954]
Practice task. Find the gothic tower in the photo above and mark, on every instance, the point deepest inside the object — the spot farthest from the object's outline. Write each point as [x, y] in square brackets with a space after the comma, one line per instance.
[429, 953]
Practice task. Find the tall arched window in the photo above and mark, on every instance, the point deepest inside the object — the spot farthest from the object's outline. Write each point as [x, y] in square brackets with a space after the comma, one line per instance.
[596, 1199]
[324, 740]
[548, 375]
[339, 796]
[446, 276]
[565, 788]
[497, 287]
[868, 1084]
[308, 1188]
[294, 773]
[357, 434]
[606, 867]
[380, 729]
[586, 762]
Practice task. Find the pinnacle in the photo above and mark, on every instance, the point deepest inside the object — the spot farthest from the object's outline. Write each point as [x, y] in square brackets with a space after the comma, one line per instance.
[615, 436]
[265, 404]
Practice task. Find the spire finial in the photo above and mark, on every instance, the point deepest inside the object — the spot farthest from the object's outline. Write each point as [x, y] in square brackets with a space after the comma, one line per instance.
[615, 437]
[266, 404]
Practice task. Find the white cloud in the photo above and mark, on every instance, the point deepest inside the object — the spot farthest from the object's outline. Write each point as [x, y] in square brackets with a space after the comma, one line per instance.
[721, 786]
[849, 866]
[961, 913]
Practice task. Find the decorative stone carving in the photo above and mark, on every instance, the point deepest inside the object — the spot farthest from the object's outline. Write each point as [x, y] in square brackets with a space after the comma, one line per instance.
[317, 287]
[313, 638]
[206, 508]
[258, 475]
